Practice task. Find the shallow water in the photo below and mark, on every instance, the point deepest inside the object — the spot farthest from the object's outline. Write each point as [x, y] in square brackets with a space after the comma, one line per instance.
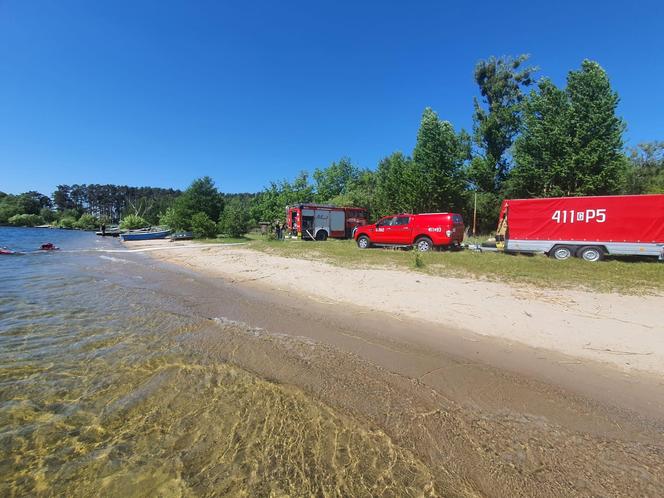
[102, 393]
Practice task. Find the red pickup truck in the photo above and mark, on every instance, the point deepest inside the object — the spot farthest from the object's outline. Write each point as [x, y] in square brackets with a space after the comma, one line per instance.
[422, 231]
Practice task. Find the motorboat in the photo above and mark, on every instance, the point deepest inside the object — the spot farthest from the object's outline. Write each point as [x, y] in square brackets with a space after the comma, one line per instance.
[145, 235]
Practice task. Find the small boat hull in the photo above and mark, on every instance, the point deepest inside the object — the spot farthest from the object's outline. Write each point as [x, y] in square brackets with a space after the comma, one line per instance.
[182, 236]
[144, 235]
[110, 233]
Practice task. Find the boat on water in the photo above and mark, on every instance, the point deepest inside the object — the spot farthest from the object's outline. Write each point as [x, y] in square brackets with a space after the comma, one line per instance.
[111, 232]
[145, 234]
[7, 252]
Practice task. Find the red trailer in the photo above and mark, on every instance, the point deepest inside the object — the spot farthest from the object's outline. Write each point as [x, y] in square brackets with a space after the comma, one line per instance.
[587, 227]
[320, 221]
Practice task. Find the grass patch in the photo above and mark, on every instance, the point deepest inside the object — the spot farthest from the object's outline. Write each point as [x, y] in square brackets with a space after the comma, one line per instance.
[624, 276]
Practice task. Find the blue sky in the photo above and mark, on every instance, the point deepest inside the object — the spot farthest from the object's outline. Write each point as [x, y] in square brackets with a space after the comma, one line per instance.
[161, 92]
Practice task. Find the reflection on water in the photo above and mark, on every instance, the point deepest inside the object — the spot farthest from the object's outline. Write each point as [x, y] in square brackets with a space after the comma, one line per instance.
[100, 394]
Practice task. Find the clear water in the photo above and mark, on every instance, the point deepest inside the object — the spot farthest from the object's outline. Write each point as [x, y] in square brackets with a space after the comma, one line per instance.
[102, 393]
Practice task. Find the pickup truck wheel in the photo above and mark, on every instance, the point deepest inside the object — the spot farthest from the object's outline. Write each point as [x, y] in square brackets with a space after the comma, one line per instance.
[591, 253]
[363, 242]
[561, 253]
[423, 244]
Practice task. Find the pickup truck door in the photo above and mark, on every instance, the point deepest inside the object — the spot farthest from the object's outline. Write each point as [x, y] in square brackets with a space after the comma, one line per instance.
[401, 231]
[382, 230]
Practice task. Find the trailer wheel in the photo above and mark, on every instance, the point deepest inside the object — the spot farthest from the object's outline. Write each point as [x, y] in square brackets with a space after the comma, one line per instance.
[363, 242]
[561, 253]
[591, 253]
[321, 235]
[423, 244]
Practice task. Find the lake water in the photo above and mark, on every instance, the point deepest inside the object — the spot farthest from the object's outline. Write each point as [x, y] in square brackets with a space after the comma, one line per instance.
[106, 390]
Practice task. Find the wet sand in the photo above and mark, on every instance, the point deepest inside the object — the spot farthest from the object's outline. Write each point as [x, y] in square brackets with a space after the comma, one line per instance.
[485, 416]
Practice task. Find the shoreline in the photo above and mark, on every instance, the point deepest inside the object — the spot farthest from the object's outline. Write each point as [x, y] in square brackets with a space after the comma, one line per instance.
[621, 331]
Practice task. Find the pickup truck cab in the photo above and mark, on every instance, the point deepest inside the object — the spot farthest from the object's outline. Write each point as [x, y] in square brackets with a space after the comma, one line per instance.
[422, 231]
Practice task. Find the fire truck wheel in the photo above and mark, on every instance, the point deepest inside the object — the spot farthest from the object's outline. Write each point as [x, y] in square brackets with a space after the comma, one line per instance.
[591, 253]
[423, 244]
[363, 242]
[321, 235]
[561, 253]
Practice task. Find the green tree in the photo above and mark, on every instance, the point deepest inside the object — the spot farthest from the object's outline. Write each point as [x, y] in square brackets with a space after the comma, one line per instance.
[67, 222]
[270, 204]
[87, 222]
[8, 207]
[201, 197]
[203, 226]
[360, 192]
[235, 219]
[335, 180]
[439, 158]
[175, 219]
[571, 141]
[26, 220]
[595, 132]
[497, 119]
[397, 185]
[544, 165]
[645, 173]
[48, 215]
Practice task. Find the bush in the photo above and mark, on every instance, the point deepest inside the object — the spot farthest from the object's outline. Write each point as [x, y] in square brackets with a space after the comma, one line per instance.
[132, 222]
[175, 219]
[86, 222]
[26, 220]
[48, 215]
[234, 220]
[203, 226]
[67, 222]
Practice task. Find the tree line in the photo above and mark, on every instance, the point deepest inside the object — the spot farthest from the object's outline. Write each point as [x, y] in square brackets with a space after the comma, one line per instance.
[85, 206]
[530, 138]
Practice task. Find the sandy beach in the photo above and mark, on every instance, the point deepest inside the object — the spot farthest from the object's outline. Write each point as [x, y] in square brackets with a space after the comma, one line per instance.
[622, 331]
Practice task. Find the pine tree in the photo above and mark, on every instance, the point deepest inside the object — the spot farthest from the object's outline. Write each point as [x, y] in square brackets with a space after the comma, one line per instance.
[439, 157]
[571, 140]
[544, 164]
[595, 131]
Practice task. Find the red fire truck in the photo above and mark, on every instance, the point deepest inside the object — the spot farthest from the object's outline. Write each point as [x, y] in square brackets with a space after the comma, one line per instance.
[320, 221]
[587, 227]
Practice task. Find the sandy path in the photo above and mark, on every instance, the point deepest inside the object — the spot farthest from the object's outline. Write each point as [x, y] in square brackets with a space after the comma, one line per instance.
[624, 331]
